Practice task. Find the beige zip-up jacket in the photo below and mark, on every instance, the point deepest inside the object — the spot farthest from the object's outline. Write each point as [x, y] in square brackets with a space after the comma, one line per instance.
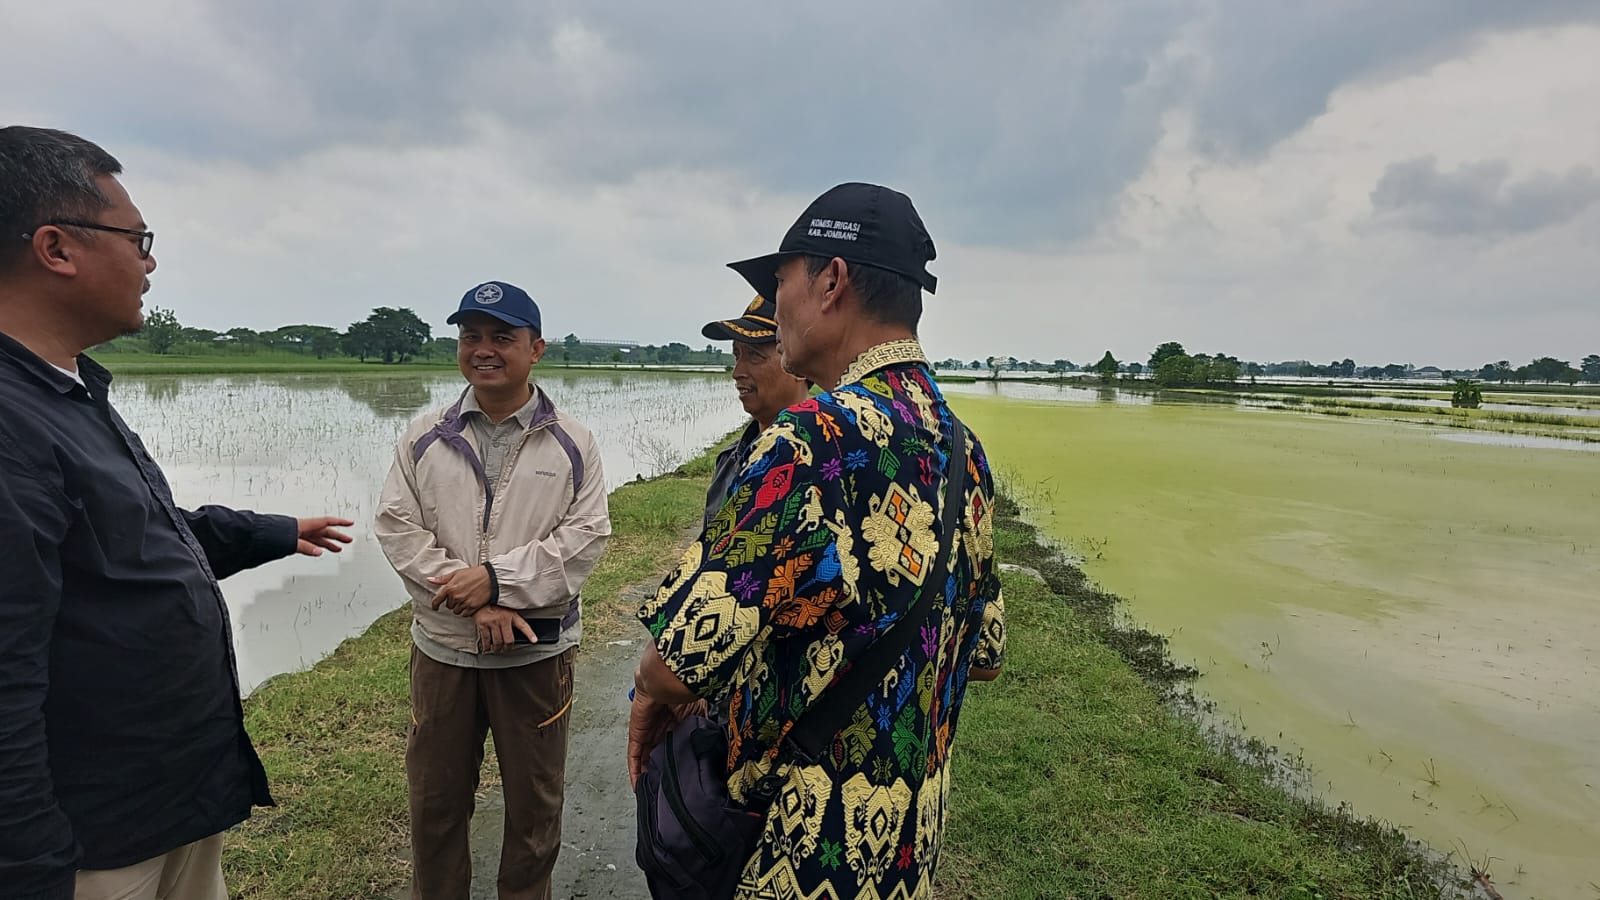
[543, 528]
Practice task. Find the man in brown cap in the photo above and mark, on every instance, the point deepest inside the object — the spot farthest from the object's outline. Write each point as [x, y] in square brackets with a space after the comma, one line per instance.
[765, 389]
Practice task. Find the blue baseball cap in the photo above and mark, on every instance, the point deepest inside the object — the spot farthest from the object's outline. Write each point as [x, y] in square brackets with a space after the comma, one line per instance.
[506, 302]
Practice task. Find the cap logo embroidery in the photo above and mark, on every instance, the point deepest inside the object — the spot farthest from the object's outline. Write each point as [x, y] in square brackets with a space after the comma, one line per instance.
[837, 229]
[489, 294]
[754, 305]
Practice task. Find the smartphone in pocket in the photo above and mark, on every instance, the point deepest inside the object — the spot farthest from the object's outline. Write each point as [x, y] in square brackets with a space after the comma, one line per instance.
[547, 630]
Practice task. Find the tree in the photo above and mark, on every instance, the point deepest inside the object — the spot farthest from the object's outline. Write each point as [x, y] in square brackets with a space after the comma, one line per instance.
[1347, 369]
[243, 337]
[324, 342]
[1467, 395]
[161, 330]
[440, 348]
[396, 334]
[1591, 368]
[1164, 352]
[1547, 369]
[1174, 371]
[317, 339]
[361, 341]
[1106, 368]
[1135, 368]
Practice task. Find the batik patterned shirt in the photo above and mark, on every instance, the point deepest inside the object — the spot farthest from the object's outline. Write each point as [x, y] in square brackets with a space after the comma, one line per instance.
[825, 542]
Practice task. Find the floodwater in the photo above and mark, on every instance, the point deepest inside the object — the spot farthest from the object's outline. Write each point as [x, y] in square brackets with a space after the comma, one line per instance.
[308, 445]
[1526, 441]
[1419, 618]
[1554, 407]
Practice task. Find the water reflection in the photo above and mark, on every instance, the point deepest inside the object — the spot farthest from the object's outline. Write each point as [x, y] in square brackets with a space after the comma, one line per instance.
[1077, 393]
[1526, 441]
[387, 397]
[1019, 390]
[314, 444]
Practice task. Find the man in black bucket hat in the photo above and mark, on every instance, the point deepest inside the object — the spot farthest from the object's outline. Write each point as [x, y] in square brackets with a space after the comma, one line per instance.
[859, 511]
[765, 389]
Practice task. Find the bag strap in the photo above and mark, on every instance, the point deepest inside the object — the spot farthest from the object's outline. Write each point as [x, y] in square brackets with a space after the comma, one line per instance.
[812, 735]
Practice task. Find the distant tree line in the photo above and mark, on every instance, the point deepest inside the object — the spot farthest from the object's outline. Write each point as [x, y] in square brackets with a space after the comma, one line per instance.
[573, 349]
[388, 335]
[1170, 365]
[1546, 368]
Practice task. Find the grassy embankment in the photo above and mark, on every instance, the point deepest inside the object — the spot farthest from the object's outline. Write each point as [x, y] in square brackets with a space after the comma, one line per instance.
[1074, 777]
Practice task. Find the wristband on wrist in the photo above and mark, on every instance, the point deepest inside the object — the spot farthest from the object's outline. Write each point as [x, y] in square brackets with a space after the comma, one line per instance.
[494, 585]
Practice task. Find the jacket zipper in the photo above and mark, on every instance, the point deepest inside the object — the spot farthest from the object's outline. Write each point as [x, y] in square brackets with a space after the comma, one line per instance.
[488, 507]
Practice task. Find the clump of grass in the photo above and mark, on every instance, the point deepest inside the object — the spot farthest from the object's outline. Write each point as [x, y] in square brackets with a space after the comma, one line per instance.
[1525, 418]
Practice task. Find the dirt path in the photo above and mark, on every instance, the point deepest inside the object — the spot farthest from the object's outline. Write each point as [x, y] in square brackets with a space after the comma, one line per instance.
[597, 833]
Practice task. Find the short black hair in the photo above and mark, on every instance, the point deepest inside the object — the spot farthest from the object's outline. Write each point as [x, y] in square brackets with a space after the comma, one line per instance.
[47, 175]
[889, 298]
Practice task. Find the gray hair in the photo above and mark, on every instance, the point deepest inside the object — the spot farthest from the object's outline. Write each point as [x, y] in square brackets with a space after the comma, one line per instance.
[889, 298]
[46, 175]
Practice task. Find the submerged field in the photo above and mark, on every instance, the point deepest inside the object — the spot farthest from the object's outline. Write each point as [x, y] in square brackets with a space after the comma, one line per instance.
[1417, 616]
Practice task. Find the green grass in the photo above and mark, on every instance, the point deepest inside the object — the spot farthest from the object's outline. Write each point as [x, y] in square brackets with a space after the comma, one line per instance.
[1074, 778]
[332, 738]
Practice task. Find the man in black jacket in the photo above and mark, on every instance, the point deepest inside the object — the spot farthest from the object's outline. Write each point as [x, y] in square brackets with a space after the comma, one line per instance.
[123, 755]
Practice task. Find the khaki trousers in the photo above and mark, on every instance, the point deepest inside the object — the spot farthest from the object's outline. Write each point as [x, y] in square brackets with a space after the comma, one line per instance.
[191, 872]
[452, 708]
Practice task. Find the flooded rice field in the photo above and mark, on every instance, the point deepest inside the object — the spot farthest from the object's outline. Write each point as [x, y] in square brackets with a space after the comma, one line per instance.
[1420, 618]
[314, 444]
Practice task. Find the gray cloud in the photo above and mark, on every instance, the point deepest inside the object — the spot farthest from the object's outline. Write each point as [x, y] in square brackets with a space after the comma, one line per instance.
[1011, 124]
[1272, 66]
[1479, 198]
[309, 165]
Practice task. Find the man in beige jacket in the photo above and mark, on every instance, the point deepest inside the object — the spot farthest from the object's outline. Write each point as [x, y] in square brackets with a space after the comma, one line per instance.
[494, 513]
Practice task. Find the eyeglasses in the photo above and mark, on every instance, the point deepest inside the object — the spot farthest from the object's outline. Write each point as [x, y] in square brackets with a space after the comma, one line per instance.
[147, 239]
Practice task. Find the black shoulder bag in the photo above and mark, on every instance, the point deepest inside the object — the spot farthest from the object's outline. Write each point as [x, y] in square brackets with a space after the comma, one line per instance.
[694, 840]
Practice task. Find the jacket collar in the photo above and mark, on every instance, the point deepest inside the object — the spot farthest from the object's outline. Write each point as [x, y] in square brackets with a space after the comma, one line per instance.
[94, 375]
[537, 411]
[893, 353]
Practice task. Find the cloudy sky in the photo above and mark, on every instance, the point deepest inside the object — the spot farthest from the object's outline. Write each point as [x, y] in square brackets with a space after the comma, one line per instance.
[1394, 182]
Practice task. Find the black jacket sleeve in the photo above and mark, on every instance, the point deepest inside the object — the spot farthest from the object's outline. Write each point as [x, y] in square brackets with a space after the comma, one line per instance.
[38, 853]
[237, 539]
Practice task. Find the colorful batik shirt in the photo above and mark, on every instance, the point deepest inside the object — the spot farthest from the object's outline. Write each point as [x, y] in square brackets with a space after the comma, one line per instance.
[825, 541]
